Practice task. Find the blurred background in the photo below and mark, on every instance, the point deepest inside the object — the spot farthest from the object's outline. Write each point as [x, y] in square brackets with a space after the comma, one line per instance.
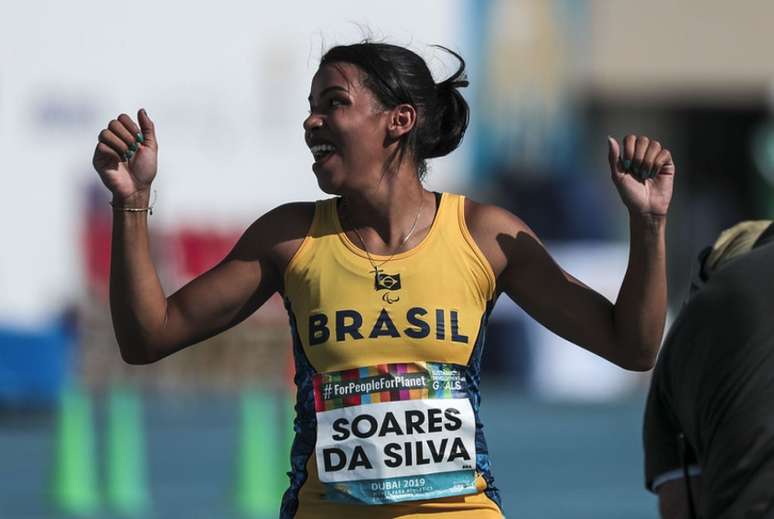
[204, 433]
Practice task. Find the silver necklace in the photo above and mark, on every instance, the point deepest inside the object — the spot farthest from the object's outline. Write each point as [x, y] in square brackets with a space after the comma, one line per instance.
[377, 268]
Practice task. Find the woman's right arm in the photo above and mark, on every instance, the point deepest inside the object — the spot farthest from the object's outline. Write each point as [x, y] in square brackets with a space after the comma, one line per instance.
[148, 325]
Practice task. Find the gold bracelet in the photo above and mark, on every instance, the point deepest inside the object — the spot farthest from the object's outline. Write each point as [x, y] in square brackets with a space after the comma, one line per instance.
[136, 209]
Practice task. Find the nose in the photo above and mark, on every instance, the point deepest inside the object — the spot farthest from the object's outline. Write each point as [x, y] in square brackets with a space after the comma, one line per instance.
[312, 121]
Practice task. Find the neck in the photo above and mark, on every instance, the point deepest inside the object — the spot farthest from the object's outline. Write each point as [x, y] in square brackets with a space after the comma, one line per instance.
[385, 215]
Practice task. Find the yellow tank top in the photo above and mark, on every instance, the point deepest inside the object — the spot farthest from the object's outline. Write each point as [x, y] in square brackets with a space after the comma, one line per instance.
[387, 374]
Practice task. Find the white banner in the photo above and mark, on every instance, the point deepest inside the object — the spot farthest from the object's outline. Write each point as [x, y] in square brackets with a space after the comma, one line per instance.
[395, 439]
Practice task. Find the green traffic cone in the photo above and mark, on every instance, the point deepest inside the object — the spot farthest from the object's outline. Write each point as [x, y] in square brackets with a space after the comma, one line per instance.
[127, 483]
[258, 457]
[75, 472]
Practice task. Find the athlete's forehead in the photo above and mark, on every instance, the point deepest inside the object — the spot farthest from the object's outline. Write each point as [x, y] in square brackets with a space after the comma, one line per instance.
[343, 77]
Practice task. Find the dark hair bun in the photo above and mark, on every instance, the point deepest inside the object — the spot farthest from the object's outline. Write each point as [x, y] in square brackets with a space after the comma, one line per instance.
[451, 111]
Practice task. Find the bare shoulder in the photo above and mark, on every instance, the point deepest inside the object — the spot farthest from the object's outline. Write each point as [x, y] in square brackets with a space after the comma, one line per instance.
[277, 234]
[488, 218]
[290, 221]
[496, 232]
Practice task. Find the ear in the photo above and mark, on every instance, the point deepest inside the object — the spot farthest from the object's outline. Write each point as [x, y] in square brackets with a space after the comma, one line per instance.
[402, 119]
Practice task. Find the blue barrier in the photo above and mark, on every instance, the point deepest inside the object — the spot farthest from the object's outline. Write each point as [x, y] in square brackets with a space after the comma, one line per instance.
[34, 364]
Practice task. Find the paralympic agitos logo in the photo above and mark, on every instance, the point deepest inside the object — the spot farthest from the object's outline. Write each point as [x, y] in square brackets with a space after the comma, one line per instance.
[384, 281]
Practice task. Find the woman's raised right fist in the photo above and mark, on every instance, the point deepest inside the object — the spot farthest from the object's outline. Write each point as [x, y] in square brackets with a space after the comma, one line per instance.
[125, 157]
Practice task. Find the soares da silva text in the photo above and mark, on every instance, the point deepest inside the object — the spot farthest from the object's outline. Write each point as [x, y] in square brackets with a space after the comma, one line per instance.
[397, 454]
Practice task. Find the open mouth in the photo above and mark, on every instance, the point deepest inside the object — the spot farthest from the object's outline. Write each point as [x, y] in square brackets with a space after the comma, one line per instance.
[321, 152]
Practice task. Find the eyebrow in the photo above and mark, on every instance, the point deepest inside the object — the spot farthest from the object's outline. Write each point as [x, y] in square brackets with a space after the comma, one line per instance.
[330, 88]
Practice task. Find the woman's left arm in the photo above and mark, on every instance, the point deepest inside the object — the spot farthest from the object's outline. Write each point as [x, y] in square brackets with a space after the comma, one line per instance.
[627, 333]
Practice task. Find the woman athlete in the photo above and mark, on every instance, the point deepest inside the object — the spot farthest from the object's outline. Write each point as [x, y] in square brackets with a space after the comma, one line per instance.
[388, 287]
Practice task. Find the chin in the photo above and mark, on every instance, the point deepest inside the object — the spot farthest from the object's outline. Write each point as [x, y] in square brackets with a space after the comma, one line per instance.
[326, 181]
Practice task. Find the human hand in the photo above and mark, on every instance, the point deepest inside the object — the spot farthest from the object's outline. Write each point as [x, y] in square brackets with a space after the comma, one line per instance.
[643, 173]
[126, 155]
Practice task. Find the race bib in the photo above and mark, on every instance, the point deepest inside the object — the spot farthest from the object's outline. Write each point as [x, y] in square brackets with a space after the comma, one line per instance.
[395, 432]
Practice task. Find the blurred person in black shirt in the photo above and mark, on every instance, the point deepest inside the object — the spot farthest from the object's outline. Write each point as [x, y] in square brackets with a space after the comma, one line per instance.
[709, 420]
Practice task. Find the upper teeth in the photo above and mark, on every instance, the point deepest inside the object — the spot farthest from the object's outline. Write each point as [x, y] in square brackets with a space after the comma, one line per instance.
[319, 149]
